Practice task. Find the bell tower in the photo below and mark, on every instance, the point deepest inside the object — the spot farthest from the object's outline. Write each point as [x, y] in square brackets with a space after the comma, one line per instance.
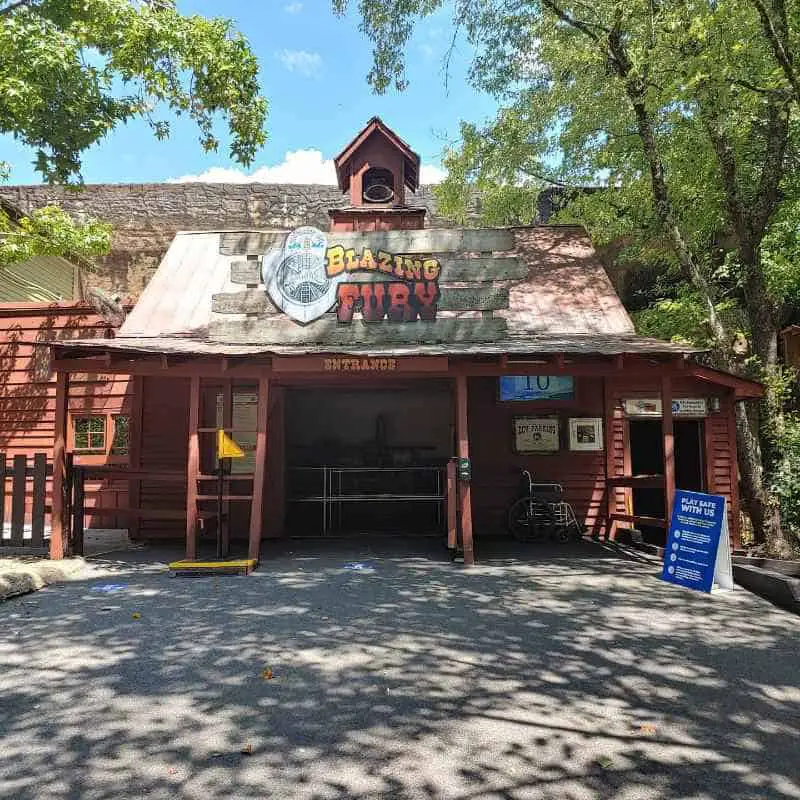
[375, 169]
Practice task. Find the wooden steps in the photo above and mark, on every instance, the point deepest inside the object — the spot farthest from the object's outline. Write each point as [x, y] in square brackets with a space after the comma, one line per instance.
[194, 569]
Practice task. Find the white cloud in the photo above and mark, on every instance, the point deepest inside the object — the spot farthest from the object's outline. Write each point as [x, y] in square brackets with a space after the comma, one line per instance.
[293, 8]
[300, 61]
[298, 166]
[430, 173]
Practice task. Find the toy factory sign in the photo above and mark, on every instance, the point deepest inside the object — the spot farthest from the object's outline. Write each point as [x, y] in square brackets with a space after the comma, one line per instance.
[308, 276]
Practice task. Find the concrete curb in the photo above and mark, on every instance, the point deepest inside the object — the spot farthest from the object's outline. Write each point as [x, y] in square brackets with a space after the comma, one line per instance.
[18, 576]
[776, 581]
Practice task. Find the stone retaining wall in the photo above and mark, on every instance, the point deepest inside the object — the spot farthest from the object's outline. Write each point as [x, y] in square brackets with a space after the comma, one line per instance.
[145, 217]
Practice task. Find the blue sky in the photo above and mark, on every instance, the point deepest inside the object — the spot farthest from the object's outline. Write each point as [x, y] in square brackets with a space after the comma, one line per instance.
[313, 72]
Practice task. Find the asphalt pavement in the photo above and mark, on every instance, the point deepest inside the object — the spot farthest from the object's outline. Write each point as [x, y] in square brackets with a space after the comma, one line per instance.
[382, 670]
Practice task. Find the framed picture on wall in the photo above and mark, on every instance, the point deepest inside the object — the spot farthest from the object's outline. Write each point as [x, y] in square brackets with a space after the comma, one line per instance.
[586, 433]
[536, 435]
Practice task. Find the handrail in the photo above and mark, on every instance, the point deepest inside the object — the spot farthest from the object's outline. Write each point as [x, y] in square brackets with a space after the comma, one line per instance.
[94, 472]
[636, 481]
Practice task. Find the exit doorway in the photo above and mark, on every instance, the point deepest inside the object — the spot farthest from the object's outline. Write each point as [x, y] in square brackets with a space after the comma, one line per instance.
[647, 458]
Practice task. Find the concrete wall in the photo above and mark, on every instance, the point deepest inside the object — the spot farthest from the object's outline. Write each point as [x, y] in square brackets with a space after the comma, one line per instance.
[145, 217]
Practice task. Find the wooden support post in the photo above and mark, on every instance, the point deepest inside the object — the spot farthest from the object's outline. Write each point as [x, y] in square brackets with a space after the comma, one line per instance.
[135, 450]
[227, 422]
[452, 506]
[59, 522]
[259, 472]
[729, 409]
[608, 435]
[464, 491]
[669, 445]
[192, 469]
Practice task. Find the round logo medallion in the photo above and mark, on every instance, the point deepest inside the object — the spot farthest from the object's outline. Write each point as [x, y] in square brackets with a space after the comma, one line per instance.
[295, 275]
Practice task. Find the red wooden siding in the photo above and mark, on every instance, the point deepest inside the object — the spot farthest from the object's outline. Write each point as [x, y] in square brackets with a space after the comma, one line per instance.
[165, 432]
[27, 388]
[720, 434]
[496, 469]
[721, 468]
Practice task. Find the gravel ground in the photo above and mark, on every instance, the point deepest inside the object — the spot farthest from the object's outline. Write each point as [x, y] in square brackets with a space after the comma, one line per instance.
[565, 674]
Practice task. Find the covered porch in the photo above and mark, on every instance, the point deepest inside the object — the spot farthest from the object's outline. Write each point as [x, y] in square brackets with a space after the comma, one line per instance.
[185, 391]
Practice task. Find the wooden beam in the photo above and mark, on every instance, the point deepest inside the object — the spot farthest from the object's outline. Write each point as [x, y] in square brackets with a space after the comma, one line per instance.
[668, 434]
[257, 506]
[248, 301]
[268, 329]
[744, 388]
[708, 457]
[59, 521]
[256, 301]
[482, 270]
[227, 422]
[729, 409]
[452, 506]
[399, 242]
[135, 450]
[2, 492]
[205, 366]
[608, 435]
[351, 365]
[246, 272]
[242, 243]
[192, 469]
[464, 490]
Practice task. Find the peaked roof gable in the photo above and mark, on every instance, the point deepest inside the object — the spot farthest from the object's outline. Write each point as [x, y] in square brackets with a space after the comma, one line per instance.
[377, 126]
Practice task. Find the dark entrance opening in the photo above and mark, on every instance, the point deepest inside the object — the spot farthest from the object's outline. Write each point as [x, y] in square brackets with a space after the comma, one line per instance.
[369, 460]
[647, 458]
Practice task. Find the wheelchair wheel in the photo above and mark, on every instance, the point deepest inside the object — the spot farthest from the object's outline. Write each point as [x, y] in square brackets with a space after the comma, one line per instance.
[529, 520]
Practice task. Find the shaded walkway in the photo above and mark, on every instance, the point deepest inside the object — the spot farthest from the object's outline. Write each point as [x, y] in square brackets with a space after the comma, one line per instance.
[566, 676]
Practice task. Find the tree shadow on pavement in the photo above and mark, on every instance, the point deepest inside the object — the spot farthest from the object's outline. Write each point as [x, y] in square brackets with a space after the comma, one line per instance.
[540, 673]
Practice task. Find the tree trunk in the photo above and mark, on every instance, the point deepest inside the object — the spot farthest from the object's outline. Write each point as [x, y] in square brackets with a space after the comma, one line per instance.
[764, 512]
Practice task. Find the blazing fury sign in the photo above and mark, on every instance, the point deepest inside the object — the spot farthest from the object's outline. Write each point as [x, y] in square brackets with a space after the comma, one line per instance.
[307, 276]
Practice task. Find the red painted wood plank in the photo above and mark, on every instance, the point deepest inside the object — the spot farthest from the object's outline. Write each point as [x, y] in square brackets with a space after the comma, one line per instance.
[192, 469]
[464, 489]
[669, 443]
[39, 489]
[257, 507]
[58, 516]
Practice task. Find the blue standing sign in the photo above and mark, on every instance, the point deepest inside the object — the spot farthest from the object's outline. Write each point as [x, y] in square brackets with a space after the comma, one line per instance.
[697, 553]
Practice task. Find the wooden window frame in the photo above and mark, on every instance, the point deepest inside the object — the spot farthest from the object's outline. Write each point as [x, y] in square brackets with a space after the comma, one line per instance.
[95, 456]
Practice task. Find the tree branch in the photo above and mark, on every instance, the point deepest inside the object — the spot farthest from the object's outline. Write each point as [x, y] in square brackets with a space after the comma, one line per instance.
[726, 158]
[779, 46]
[6, 10]
[583, 27]
[777, 138]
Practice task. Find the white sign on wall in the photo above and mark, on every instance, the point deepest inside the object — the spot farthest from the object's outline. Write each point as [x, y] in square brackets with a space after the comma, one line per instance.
[586, 433]
[536, 435]
[651, 407]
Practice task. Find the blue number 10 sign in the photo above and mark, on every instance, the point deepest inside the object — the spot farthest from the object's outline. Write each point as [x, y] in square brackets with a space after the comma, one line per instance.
[698, 553]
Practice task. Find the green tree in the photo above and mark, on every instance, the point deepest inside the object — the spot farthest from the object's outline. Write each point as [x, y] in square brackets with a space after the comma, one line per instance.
[49, 231]
[685, 113]
[72, 70]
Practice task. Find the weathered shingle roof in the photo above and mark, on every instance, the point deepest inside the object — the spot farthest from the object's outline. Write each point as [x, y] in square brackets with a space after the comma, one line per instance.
[524, 344]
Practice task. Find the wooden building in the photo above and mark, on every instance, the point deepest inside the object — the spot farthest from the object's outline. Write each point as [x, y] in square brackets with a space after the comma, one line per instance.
[97, 414]
[354, 366]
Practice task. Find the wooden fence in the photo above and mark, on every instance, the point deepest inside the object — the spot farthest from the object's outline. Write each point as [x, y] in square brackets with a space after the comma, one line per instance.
[23, 502]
